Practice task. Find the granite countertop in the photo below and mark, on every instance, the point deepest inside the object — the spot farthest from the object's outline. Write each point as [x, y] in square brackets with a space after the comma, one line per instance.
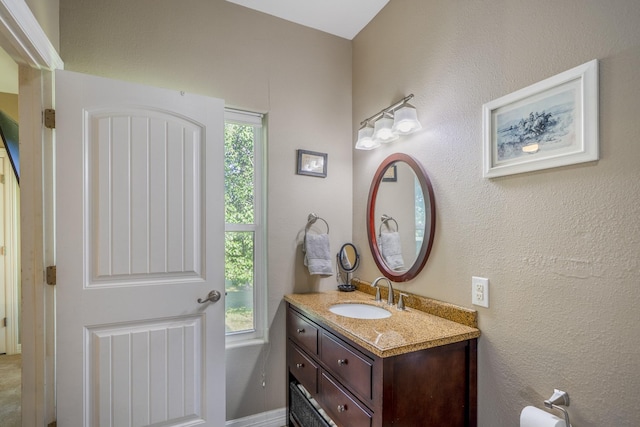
[403, 332]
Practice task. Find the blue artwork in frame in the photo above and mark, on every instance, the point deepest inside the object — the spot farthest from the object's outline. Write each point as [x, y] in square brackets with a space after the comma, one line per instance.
[545, 125]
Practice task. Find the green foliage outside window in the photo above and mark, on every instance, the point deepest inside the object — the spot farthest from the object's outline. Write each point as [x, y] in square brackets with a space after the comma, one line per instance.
[239, 168]
[239, 201]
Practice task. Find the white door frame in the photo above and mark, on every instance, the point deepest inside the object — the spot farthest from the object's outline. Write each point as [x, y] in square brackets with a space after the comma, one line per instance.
[24, 40]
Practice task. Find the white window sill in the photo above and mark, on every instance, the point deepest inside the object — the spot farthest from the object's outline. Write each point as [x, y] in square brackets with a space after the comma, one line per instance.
[238, 343]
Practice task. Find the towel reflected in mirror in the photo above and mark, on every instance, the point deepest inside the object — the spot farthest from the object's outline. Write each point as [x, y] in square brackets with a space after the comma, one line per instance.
[391, 249]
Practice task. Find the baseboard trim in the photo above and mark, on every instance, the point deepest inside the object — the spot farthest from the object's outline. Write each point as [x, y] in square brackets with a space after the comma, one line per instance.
[275, 418]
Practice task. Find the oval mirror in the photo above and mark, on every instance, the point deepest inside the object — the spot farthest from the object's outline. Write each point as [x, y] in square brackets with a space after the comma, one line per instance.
[347, 261]
[401, 217]
[348, 258]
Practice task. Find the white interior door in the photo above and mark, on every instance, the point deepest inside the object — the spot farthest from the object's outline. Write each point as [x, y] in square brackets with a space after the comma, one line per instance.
[4, 301]
[140, 237]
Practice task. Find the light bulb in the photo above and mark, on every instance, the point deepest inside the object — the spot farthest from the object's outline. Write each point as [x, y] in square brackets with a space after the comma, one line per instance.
[365, 139]
[383, 131]
[406, 120]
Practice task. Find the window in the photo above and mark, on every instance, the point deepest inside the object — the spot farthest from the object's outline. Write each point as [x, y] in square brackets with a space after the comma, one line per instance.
[244, 226]
[421, 214]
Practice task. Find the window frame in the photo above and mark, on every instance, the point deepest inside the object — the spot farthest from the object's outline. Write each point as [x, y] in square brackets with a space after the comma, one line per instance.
[258, 334]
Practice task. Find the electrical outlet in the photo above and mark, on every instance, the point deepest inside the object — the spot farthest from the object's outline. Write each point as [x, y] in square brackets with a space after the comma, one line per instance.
[480, 291]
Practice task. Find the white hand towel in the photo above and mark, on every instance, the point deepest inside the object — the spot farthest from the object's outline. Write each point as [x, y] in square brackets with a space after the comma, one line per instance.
[317, 255]
[391, 249]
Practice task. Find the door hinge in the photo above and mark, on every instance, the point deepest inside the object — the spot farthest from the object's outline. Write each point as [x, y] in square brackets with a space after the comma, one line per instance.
[4, 322]
[2, 179]
[50, 118]
[51, 275]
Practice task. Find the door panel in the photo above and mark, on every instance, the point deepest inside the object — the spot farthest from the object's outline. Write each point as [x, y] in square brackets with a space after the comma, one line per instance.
[148, 176]
[140, 237]
[153, 370]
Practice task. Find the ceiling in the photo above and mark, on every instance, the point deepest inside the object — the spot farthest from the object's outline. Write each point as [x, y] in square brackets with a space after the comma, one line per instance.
[343, 18]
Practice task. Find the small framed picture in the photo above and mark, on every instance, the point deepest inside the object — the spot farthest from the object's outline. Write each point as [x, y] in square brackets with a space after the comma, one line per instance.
[546, 125]
[312, 163]
[390, 175]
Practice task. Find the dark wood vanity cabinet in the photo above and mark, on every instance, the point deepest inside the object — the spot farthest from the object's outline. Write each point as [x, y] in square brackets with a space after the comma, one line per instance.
[431, 387]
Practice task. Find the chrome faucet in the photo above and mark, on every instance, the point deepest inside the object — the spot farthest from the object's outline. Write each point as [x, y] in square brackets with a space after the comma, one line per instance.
[375, 285]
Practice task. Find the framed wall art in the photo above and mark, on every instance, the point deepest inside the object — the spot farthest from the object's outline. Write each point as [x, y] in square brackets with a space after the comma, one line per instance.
[312, 163]
[549, 124]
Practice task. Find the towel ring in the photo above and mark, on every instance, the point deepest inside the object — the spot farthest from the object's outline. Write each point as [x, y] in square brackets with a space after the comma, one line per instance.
[385, 221]
[311, 219]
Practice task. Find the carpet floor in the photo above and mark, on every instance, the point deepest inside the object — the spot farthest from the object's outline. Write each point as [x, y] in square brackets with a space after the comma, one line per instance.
[10, 390]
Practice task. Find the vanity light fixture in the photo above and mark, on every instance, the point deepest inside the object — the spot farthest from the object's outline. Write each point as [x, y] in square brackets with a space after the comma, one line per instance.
[400, 118]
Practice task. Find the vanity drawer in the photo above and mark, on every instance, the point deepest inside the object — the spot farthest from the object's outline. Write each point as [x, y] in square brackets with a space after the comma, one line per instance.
[304, 369]
[343, 408]
[348, 364]
[302, 332]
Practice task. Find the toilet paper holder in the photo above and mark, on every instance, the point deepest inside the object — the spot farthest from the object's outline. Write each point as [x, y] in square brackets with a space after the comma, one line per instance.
[557, 401]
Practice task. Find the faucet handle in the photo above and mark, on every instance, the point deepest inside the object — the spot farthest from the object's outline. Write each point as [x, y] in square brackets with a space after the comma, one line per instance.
[378, 297]
[401, 301]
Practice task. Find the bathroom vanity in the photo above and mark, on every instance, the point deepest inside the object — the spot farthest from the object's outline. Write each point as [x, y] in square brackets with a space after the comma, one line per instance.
[410, 369]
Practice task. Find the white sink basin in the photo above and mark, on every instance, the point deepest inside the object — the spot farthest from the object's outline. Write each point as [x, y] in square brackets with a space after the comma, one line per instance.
[360, 311]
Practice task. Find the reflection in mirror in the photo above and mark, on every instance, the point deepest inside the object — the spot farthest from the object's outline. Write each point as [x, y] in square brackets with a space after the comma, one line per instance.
[401, 217]
[390, 244]
[347, 262]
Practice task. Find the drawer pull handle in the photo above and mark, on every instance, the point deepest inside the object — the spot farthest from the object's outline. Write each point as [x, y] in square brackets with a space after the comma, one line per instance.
[300, 331]
[342, 408]
[299, 365]
[342, 362]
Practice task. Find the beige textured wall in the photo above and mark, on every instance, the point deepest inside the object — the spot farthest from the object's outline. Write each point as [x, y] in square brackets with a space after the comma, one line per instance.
[8, 73]
[9, 104]
[46, 13]
[300, 77]
[560, 247]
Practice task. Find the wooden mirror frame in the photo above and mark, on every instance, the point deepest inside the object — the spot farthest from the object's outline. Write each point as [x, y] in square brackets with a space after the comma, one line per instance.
[427, 191]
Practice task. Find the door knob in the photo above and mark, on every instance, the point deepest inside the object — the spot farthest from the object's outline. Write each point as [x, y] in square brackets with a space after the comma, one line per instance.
[212, 296]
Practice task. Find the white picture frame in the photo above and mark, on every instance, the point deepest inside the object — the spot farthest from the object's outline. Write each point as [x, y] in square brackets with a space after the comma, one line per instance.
[549, 124]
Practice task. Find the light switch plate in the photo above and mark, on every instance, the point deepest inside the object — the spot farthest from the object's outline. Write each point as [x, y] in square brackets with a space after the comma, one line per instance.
[480, 291]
